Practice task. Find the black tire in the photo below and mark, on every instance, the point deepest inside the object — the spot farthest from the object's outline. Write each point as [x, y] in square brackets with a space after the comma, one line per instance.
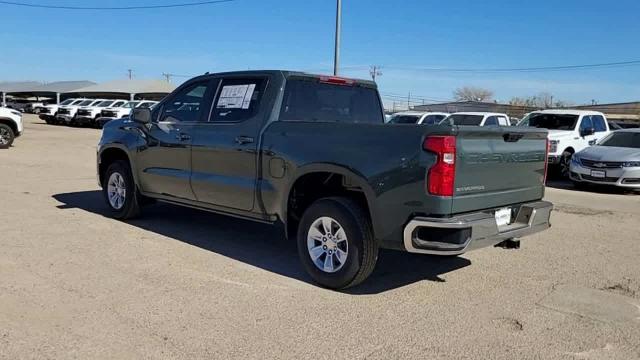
[8, 135]
[131, 206]
[565, 162]
[362, 248]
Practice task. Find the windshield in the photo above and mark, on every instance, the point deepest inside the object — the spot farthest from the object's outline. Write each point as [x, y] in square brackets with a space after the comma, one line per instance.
[146, 105]
[85, 103]
[130, 105]
[462, 119]
[67, 102]
[625, 139]
[104, 103]
[404, 119]
[551, 121]
[77, 102]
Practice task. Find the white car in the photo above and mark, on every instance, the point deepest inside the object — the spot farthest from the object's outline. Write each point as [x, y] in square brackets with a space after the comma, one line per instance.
[477, 119]
[49, 112]
[87, 115]
[417, 117]
[570, 131]
[10, 126]
[111, 113]
[67, 113]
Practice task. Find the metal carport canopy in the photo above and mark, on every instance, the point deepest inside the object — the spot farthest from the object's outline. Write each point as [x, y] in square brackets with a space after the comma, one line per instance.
[127, 89]
[10, 87]
[52, 89]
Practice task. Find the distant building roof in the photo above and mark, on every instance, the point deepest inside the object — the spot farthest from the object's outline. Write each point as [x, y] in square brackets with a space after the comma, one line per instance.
[128, 87]
[51, 88]
[7, 87]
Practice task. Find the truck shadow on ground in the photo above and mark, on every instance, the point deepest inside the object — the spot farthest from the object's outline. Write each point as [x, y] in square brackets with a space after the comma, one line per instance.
[263, 246]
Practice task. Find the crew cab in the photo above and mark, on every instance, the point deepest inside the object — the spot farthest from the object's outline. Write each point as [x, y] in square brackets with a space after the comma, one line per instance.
[570, 131]
[87, 115]
[417, 117]
[11, 126]
[67, 113]
[111, 113]
[49, 112]
[477, 119]
[312, 154]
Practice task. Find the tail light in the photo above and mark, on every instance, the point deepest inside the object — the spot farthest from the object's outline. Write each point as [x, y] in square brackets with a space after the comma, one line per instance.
[546, 162]
[336, 80]
[441, 176]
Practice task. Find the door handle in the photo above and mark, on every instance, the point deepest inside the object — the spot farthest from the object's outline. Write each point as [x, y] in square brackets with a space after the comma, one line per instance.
[244, 140]
[183, 137]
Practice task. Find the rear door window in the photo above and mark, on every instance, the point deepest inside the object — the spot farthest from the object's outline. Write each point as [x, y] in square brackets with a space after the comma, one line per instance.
[312, 100]
[238, 99]
[503, 121]
[586, 123]
[432, 119]
[491, 121]
[599, 123]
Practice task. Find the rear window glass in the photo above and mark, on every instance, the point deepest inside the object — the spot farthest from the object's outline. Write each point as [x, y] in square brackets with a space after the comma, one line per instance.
[552, 121]
[404, 119]
[461, 119]
[314, 101]
[622, 139]
[432, 119]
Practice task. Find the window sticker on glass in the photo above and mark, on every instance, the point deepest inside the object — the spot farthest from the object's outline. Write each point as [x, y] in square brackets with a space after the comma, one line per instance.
[236, 96]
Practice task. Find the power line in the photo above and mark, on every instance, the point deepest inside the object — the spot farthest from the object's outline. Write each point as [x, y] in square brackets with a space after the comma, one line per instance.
[524, 69]
[196, 3]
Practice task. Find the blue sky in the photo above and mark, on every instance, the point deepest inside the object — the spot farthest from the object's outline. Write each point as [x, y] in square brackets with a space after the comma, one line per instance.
[400, 36]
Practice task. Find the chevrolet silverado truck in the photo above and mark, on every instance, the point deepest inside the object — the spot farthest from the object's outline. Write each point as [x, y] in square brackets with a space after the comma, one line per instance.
[88, 115]
[311, 154]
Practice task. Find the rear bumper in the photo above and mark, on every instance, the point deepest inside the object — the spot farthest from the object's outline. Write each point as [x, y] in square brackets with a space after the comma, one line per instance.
[621, 177]
[459, 234]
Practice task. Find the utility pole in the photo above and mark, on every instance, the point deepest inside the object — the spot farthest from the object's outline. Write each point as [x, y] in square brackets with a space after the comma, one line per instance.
[167, 76]
[409, 101]
[375, 72]
[130, 74]
[336, 56]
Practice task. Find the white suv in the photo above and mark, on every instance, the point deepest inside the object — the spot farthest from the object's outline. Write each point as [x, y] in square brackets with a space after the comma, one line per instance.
[570, 131]
[67, 113]
[10, 126]
[477, 119]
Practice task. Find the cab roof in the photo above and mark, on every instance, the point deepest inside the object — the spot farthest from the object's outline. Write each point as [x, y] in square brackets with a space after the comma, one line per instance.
[480, 113]
[567, 112]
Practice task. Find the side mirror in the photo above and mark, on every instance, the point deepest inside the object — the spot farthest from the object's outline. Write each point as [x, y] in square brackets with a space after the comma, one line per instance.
[141, 115]
[587, 132]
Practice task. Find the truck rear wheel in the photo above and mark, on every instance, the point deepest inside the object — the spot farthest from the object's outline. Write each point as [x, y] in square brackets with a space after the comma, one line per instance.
[6, 136]
[336, 243]
[120, 191]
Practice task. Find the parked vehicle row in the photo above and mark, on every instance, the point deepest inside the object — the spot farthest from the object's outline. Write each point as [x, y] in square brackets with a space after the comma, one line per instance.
[29, 105]
[89, 112]
[10, 126]
[459, 118]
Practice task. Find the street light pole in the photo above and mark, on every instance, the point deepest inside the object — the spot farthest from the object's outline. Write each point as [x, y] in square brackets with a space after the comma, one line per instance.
[336, 58]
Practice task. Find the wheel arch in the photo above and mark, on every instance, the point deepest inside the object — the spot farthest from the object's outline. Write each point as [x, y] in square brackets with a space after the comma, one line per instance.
[353, 185]
[110, 154]
[10, 123]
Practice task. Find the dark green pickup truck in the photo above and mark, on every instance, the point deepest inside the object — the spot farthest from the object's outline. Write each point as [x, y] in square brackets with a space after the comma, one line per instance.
[312, 154]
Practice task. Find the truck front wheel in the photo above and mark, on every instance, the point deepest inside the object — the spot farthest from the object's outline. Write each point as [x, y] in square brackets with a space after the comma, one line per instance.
[120, 191]
[336, 243]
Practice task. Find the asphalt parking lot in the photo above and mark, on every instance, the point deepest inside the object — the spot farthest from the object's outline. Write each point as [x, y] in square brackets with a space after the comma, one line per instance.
[180, 283]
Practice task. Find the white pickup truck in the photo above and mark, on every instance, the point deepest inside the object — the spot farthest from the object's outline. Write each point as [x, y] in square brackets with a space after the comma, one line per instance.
[87, 115]
[111, 113]
[570, 131]
[10, 126]
[49, 112]
[67, 113]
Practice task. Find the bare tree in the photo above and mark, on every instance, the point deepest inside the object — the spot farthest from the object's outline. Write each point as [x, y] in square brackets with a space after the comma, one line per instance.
[469, 93]
[543, 100]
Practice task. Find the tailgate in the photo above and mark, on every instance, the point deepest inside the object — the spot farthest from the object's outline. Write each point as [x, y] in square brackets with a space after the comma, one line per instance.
[498, 166]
